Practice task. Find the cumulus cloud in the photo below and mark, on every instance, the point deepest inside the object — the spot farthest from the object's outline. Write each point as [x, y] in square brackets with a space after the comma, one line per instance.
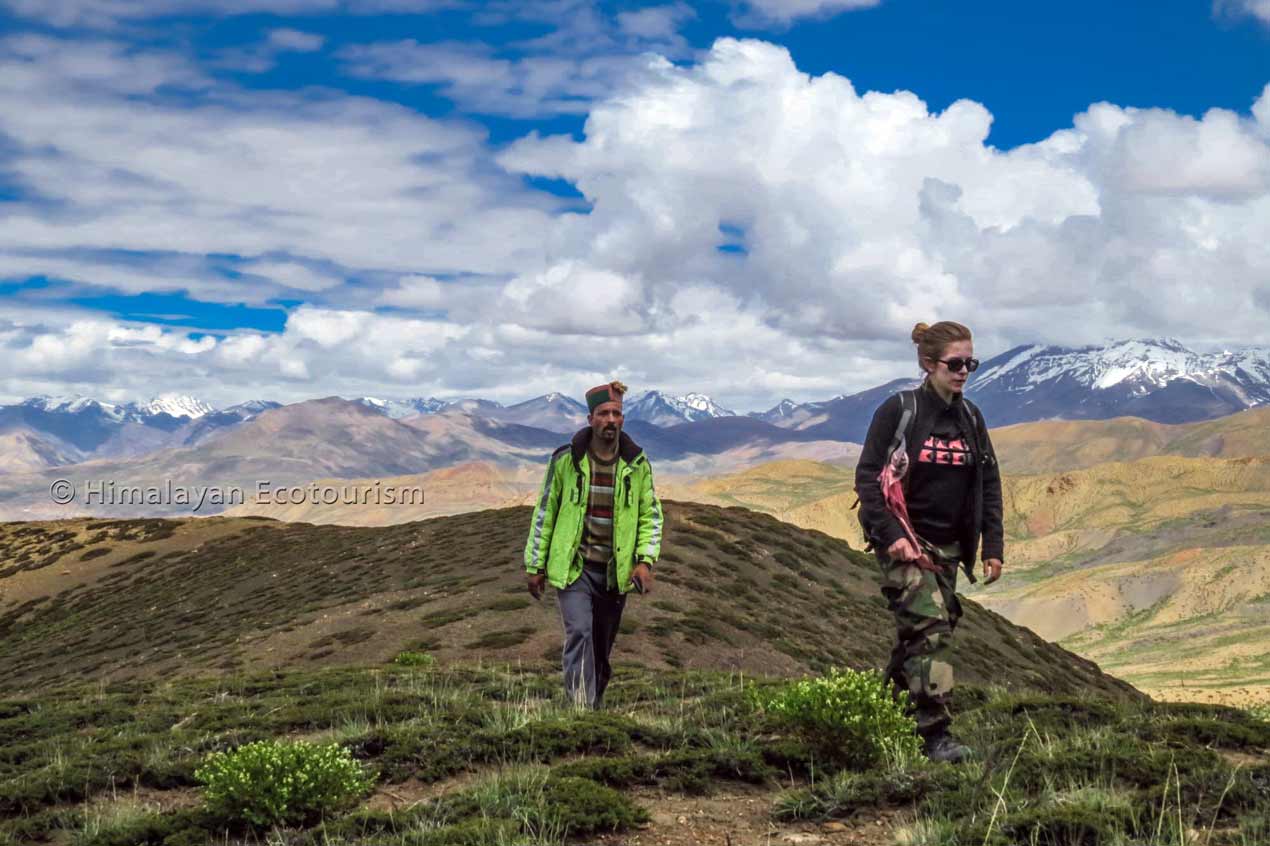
[863, 213]
[846, 216]
[419, 292]
[571, 298]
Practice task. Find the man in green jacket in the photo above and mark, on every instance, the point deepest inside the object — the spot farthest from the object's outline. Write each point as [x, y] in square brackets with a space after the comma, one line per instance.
[595, 534]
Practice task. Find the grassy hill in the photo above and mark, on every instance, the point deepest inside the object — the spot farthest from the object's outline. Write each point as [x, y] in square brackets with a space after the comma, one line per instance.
[131, 649]
[736, 590]
[491, 755]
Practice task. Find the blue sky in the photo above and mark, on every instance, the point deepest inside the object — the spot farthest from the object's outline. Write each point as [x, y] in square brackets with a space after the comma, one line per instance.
[294, 198]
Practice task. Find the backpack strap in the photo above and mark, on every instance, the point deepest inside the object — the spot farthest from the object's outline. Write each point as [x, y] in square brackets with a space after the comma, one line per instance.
[908, 406]
[971, 416]
[908, 412]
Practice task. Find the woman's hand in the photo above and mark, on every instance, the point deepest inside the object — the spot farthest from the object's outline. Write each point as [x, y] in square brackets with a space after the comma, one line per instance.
[991, 570]
[903, 550]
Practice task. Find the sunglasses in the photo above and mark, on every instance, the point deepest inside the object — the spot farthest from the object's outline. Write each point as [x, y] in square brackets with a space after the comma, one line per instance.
[955, 364]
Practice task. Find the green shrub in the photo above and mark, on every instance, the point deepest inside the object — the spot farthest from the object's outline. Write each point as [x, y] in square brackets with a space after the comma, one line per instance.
[270, 782]
[849, 716]
[414, 659]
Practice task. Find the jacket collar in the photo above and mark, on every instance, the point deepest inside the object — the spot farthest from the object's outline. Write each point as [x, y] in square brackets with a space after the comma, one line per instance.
[627, 449]
[934, 396]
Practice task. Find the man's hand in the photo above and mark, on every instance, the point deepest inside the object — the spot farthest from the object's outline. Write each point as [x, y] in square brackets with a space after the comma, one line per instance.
[991, 570]
[537, 581]
[642, 576]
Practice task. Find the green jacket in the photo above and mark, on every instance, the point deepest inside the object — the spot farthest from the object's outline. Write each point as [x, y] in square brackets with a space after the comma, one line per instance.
[556, 530]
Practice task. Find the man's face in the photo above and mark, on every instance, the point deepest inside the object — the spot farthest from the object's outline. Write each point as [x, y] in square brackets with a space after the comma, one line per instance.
[606, 421]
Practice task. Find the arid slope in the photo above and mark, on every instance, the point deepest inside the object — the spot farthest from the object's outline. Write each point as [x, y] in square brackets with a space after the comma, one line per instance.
[737, 590]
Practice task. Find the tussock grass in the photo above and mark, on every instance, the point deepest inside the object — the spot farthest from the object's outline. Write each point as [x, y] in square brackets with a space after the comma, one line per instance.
[1049, 770]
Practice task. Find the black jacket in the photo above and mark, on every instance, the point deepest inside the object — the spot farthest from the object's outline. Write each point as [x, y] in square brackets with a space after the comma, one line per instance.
[983, 521]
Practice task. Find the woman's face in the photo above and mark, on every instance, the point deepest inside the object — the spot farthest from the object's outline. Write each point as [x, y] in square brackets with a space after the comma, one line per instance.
[943, 377]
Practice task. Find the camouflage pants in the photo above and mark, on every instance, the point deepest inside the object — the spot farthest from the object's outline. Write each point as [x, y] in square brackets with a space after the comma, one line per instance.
[926, 611]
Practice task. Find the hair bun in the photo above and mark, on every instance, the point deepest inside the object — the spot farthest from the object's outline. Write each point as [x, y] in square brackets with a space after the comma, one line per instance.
[919, 331]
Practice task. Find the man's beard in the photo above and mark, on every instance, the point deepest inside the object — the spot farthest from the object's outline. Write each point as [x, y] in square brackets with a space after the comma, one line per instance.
[610, 432]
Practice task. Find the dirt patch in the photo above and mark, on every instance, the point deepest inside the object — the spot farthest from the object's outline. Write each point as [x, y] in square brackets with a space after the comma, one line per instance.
[1243, 759]
[741, 816]
[407, 794]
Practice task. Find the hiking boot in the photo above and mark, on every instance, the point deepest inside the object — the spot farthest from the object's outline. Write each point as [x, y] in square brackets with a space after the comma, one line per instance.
[944, 748]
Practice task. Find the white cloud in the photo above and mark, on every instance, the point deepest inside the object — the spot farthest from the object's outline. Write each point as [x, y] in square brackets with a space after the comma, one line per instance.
[526, 86]
[584, 57]
[1259, 9]
[856, 213]
[863, 213]
[263, 56]
[571, 298]
[108, 163]
[293, 275]
[655, 23]
[1261, 111]
[784, 12]
[421, 292]
[110, 13]
[296, 41]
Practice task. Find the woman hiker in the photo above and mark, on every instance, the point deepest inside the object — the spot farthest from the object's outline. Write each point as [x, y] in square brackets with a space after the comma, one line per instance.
[934, 446]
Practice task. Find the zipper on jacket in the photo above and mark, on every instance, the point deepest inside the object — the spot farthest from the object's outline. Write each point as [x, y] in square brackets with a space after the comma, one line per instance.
[627, 480]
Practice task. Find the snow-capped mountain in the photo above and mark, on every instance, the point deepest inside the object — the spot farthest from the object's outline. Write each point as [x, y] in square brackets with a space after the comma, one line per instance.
[777, 413]
[398, 408]
[71, 405]
[663, 410]
[475, 405]
[252, 407]
[554, 412]
[788, 414]
[1157, 379]
[174, 405]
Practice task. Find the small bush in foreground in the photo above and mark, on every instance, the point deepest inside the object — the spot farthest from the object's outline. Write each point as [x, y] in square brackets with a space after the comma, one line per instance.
[850, 716]
[270, 782]
[414, 659]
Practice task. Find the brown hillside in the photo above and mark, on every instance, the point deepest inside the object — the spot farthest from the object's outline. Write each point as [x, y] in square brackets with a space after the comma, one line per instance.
[104, 599]
[1180, 531]
[1054, 446]
[470, 486]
